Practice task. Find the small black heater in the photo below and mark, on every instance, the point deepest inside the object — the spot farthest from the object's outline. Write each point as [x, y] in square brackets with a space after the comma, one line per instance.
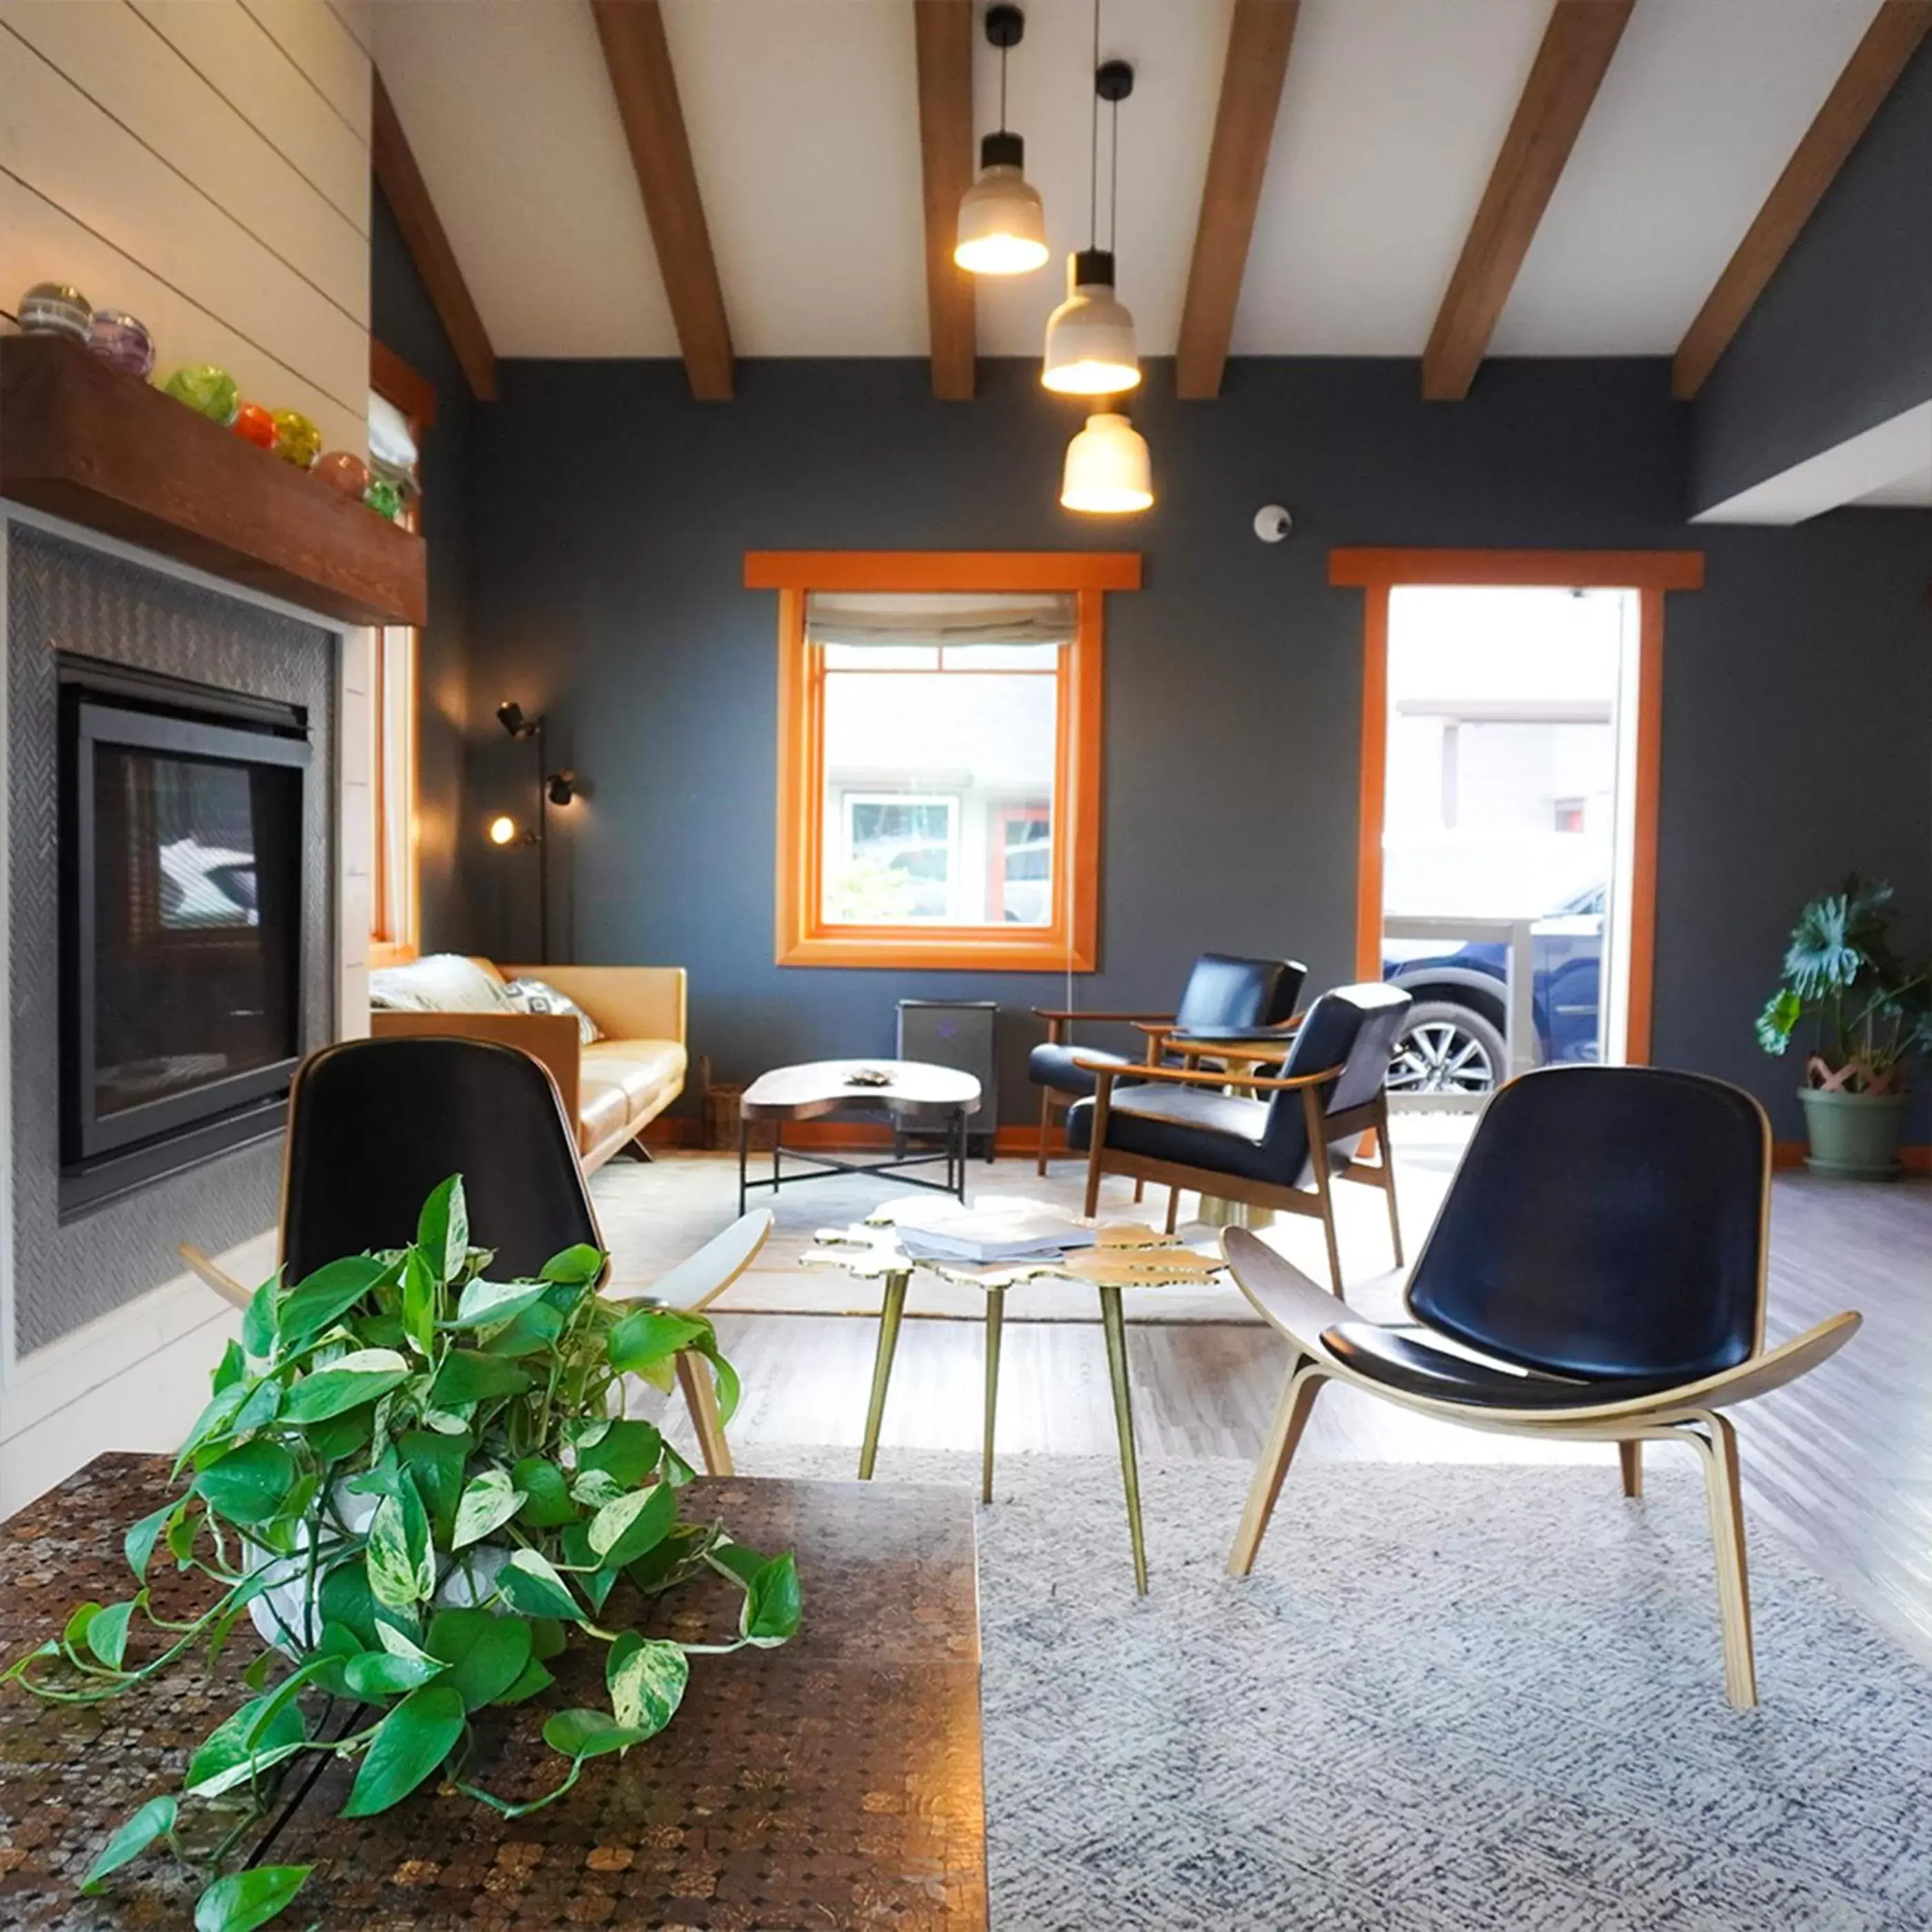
[957, 1033]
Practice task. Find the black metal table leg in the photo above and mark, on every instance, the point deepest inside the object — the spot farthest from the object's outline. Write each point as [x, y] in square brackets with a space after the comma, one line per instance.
[744, 1150]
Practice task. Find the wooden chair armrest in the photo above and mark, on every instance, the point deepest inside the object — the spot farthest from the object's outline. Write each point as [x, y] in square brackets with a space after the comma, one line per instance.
[223, 1283]
[1105, 1071]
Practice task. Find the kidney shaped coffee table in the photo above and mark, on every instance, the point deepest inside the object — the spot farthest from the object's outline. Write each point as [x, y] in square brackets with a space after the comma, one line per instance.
[912, 1095]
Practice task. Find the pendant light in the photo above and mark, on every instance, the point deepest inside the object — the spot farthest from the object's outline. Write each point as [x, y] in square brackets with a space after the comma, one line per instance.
[1089, 337]
[1107, 469]
[1002, 226]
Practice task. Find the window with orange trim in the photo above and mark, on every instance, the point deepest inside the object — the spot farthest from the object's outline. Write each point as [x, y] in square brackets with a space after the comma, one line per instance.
[939, 757]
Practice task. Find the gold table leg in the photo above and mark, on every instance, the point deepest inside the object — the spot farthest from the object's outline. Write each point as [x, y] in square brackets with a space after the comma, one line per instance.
[996, 1316]
[1114, 1323]
[890, 1309]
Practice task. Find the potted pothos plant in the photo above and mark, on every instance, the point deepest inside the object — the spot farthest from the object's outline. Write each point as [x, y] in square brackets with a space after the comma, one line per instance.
[1872, 1015]
[414, 1481]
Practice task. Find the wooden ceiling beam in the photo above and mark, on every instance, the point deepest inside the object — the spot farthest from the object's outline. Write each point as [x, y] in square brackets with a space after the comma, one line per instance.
[638, 58]
[942, 35]
[1570, 66]
[1260, 35]
[1869, 76]
[407, 194]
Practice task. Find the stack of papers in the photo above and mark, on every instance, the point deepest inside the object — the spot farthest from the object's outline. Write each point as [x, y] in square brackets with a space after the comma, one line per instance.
[1020, 1232]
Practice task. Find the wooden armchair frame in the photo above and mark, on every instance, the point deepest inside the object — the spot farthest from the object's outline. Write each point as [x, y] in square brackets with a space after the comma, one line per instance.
[1057, 1020]
[1323, 1128]
[1302, 1311]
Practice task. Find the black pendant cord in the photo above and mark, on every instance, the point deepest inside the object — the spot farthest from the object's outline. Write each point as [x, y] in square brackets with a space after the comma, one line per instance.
[1002, 90]
[1093, 146]
[1113, 181]
[543, 848]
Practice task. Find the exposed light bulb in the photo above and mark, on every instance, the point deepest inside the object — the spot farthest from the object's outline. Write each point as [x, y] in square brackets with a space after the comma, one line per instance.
[1002, 225]
[502, 829]
[1089, 337]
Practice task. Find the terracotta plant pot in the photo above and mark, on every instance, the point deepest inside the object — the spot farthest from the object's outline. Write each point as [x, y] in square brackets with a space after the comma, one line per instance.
[1854, 1135]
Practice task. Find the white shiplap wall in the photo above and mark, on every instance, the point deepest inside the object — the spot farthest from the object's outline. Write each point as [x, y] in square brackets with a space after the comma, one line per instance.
[204, 164]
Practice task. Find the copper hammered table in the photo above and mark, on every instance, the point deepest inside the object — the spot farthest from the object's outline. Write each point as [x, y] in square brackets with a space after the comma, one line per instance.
[836, 1782]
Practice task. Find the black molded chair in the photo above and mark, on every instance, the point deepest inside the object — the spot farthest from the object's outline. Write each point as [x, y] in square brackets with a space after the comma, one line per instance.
[375, 1125]
[1260, 1139]
[1222, 992]
[1602, 1252]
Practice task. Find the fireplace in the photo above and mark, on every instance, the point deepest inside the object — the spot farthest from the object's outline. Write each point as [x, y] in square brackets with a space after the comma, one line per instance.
[181, 814]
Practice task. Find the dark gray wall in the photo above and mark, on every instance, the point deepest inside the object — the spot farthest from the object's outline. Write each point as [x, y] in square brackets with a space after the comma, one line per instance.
[1841, 339]
[613, 515]
[403, 319]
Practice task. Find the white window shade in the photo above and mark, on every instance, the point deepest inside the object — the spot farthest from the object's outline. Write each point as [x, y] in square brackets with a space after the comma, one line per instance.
[894, 619]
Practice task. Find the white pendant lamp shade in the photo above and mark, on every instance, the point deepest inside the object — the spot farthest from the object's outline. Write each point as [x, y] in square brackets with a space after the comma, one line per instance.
[1107, 471]
[1089, 337]
[1002, 225]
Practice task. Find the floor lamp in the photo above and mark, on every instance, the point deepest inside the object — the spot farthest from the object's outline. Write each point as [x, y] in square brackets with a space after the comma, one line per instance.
[553, 788]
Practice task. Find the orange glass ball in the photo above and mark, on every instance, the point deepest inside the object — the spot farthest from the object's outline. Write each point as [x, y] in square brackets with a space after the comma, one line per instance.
[341, 470]
[254, 424]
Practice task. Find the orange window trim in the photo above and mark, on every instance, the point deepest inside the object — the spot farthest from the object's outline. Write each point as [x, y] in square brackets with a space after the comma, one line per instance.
[1650, 573]
[802, 937]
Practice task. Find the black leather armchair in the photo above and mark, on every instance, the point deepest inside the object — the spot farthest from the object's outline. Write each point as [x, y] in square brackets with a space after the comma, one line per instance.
[1223, 992]
[1264, 1142]
[1596, 1273]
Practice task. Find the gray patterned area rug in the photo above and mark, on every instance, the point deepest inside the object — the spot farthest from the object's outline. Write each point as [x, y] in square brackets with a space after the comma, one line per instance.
[1449, 1696]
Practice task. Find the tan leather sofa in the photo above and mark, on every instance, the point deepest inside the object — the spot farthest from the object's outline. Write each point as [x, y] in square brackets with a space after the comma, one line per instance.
[613, 1089]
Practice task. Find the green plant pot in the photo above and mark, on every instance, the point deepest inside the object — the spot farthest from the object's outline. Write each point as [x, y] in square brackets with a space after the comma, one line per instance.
[1854, 1135]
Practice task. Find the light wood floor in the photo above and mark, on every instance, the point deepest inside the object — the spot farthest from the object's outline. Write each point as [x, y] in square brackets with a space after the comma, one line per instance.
[1841, 1463]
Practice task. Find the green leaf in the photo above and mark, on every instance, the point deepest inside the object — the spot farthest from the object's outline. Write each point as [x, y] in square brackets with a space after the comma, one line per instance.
[484, 1304]
[647, 1676]
[380, 1673]
[263, 1402]
[467, 1376]
[401, 1561]
[651, 1337]
[622, 1532]
[575, 1267]
[547, 1502]
[419, 1300]
[334, 1649]
[594, 1488]
[436, 1461]
[488, 1655]
[259, 1325]
[248, 1484]
[155, 1819]
[442, 1230]
[772, 1604]
[342, 1437]
[182, 1534]
[79, 1619]
[399, 1642]
[321, 1299]
[409, 1744]
[489, 1501]
[628, 1451]
[535, 1678]
[345, 1599]
[536, 1328]
[724, 1378]
[530, 1583]
[139, 1543]
[581, 1734]
[679, 1556]
[344, 1384]
[245, 1900]
[107, 1633]
[212, 1422]
[546, 1638]
[243, 1745]
[233, 1368]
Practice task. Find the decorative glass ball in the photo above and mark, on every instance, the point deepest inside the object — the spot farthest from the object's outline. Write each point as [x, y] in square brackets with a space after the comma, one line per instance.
[122, 342]
[297, 439]
[56, 308]
[206, 389]
[384, 498]
[342, 470]
[254, 424]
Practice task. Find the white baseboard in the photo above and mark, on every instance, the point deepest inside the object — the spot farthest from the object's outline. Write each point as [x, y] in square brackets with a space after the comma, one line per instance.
[135, 1379]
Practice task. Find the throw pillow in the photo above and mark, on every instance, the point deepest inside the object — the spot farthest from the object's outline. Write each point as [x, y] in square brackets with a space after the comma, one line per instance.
[539, 996]
[444, 982]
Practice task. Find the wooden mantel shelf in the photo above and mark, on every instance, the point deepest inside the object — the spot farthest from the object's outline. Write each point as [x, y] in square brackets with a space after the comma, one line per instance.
[82, 441]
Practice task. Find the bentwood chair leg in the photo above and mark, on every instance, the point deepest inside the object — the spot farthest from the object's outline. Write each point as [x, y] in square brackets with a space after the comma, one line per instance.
[890, 1309]
[1173, 1208]
[1318, 1159]
[996, 1316]
[1045, 1127]
[701, 1397]
[1719, 1452]
[1388, 1157]
[1114, 1323]
[1629, 1456]
[1290, 1418]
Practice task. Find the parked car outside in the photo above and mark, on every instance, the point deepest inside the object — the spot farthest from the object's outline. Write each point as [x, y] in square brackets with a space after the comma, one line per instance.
[1454, 1043]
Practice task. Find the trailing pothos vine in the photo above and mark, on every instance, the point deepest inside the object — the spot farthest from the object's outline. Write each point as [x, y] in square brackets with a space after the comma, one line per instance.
[411, 1480]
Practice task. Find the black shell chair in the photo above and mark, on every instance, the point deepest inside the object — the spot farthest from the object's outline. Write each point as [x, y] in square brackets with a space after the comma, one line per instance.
[1223, 992]
[1596, 1273]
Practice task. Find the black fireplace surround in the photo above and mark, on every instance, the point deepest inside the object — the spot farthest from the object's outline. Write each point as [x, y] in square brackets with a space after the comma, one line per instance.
[181, 815]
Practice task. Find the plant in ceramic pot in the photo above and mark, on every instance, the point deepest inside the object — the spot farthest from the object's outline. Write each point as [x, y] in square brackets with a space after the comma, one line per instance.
[412, 1480]
[1872, 1016]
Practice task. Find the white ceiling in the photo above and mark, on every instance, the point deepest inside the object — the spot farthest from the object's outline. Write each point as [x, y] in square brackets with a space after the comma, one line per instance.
[804, 129]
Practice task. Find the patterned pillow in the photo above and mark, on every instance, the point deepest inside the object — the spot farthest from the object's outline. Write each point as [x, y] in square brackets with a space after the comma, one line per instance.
[538, 996]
